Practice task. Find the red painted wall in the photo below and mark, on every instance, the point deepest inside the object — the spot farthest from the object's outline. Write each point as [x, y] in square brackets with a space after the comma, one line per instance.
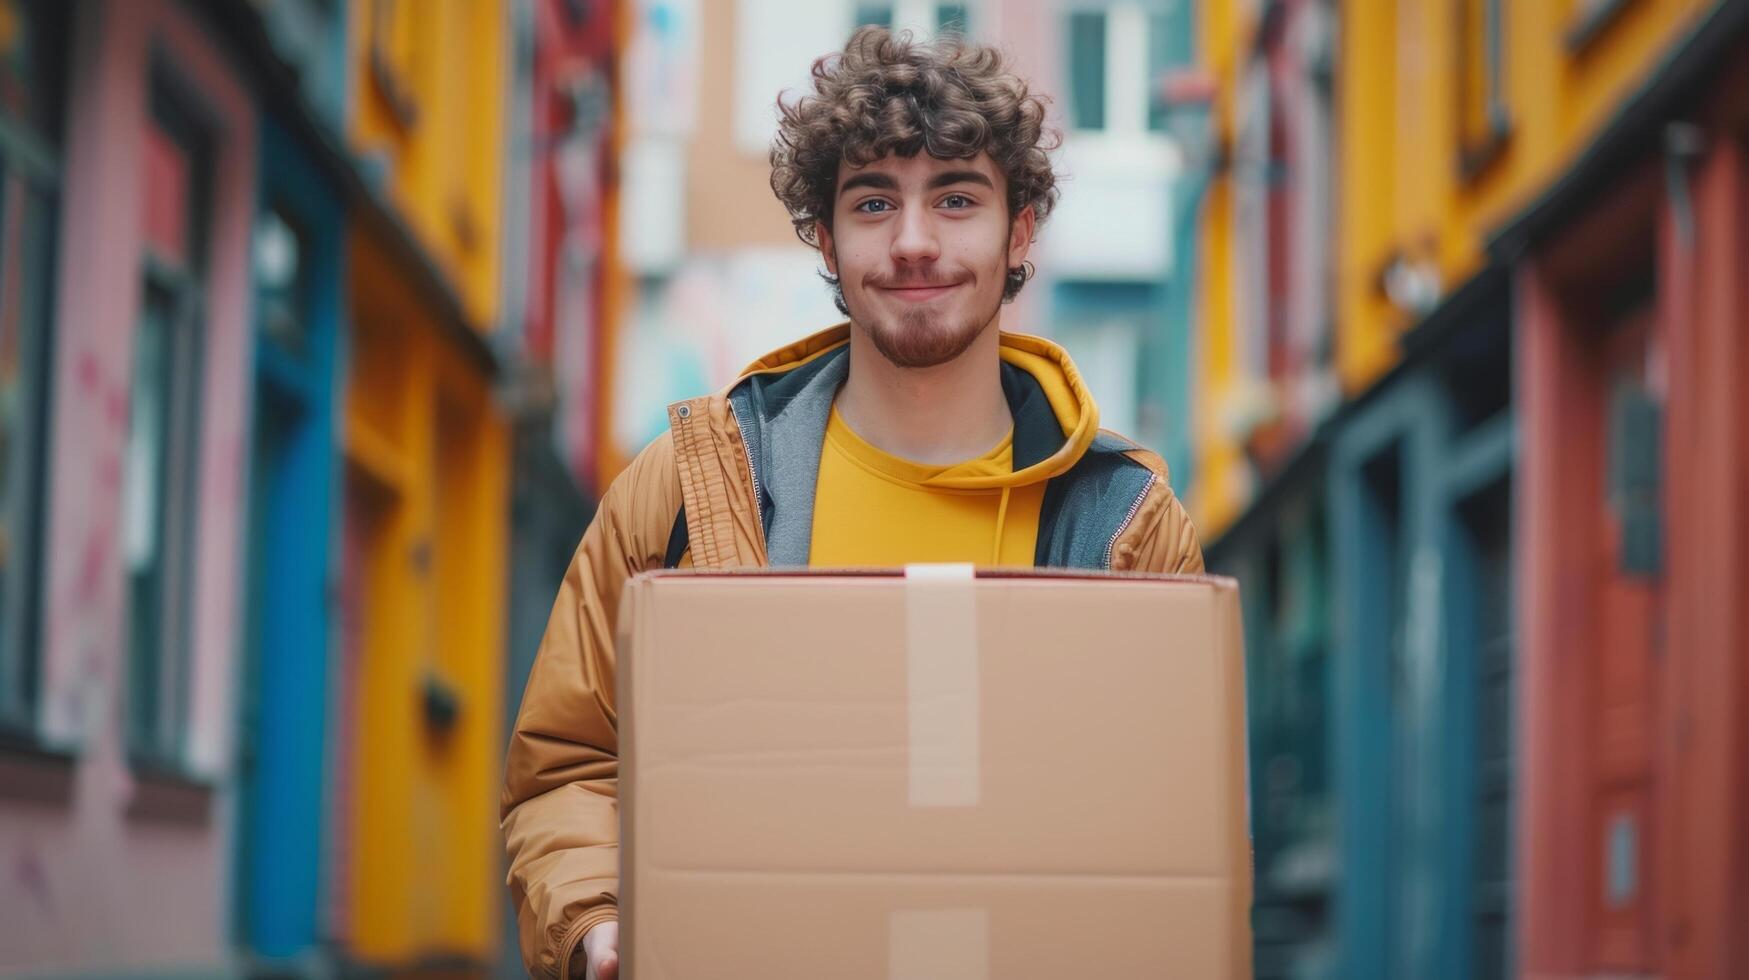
[573, 180]
[1636, 692]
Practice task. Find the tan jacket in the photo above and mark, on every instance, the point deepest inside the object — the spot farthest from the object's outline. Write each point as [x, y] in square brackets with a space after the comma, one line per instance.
[560, 801]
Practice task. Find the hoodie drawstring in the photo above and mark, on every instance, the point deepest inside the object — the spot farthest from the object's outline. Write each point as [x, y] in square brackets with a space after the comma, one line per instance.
[1001, 519]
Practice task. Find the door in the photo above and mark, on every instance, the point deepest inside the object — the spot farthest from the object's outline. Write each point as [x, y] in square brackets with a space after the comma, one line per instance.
[1628, 596]
[294, 262]
[1482, 763]
[366, 505]
[275, 878]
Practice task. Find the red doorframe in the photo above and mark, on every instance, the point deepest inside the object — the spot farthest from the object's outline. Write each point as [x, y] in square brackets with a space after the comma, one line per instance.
[1563, 381]
[1697, 847]
[1706, 751]
[1738, 937]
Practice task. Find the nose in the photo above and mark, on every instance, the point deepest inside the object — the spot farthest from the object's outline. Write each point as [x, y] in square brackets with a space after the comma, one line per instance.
[914, 239]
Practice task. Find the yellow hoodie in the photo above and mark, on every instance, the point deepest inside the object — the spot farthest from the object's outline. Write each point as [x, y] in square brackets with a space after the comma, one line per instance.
[873, 508]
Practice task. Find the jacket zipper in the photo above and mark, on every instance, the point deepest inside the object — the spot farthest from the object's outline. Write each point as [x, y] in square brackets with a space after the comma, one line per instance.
[1127, 518]
[752, 471]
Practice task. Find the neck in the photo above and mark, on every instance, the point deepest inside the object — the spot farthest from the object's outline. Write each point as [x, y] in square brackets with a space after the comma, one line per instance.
[937, 415]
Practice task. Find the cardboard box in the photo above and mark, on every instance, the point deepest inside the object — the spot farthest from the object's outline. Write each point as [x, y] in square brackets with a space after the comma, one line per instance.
[927, 775]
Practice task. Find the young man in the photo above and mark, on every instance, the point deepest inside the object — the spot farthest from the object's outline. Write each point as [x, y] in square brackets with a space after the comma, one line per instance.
[916, 432]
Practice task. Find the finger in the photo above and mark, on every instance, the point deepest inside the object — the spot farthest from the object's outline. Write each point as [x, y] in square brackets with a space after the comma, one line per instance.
[609, 969]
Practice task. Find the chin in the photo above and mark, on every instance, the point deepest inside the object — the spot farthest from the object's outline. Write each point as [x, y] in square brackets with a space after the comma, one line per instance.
[923, 339]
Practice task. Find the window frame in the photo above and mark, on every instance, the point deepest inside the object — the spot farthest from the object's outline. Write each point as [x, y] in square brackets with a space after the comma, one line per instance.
[1478, 149]
[30, 177]
[926, 18]
[1127, 70]
[159, 700]
[958, 22]
[873, 14]
[1077, 122]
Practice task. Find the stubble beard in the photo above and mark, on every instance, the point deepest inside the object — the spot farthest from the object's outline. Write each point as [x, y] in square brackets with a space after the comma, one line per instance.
[922, 338]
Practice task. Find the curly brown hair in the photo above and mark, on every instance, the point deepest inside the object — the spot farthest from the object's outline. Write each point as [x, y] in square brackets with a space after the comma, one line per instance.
[888, 93]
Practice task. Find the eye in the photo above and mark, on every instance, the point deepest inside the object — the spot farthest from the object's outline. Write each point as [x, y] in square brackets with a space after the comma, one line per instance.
[957, 201]
[873, 205]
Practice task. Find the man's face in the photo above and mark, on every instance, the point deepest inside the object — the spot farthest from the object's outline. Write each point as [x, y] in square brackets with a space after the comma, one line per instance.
[922, 248]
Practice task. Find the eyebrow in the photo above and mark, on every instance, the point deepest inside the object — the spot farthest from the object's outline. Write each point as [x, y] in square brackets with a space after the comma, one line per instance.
[948, 178]
[886, 182]
[876, 180]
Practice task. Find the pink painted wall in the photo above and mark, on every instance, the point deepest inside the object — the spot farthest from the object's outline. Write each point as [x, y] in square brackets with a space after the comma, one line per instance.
[1030, 33]
[85, 884]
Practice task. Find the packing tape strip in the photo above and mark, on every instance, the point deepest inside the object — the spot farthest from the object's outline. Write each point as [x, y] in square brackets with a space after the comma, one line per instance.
[942, 691]
[938, 944]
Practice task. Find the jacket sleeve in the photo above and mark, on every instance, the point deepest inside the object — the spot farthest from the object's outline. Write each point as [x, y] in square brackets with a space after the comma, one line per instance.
[560, 805]
[1169, 542]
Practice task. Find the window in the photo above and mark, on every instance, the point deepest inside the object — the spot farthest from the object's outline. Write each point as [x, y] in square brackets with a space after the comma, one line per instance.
[919, 16]
[1116, 57]
[1483, 120]
[875, 14]
[161, 464]
[1087, 69]
[396, 45]
[32, 77]
[1169, 46]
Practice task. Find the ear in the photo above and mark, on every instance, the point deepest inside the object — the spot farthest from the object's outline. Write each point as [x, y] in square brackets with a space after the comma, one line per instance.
[1020, 235]
[823, 235]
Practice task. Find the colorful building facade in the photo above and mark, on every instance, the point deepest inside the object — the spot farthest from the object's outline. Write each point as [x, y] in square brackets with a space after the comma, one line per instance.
[291, 554]
[425, 496]
[1478, 618]
[1630, 304]
[566, 227]
[1262, 297]
[562, 195]
[116, 803]
[261, 391]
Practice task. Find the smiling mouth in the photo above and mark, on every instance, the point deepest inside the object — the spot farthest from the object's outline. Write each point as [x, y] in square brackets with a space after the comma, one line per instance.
[918, 294]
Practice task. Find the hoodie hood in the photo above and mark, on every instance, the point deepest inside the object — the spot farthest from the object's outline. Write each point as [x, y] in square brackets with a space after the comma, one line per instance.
[783, 401]
[1055, 418]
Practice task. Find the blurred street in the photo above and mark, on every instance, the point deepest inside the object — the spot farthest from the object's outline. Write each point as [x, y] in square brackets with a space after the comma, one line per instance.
[326, 324]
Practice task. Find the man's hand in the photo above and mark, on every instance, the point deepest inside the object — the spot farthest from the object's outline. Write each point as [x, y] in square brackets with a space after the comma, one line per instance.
[601, 951]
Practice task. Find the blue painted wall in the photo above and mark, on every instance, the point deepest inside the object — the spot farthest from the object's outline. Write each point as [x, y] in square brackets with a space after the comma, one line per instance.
[293, 523]
[1417, 827]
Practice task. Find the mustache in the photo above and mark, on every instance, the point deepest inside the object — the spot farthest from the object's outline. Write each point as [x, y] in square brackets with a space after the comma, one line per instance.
[918, 279]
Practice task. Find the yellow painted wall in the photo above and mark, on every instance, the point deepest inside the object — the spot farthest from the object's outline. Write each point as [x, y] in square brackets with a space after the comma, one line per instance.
[1401, 189]
[427, 451]
[1398, 182]
[1224, 30]
[429, 81]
